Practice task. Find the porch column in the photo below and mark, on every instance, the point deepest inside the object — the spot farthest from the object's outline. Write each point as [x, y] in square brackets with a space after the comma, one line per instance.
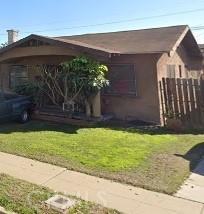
[96, 104]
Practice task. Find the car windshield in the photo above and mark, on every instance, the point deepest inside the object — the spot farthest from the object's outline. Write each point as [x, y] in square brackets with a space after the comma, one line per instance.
[8, 96]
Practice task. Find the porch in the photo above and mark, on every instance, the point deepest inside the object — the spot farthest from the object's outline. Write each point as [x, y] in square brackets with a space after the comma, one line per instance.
[18, 63]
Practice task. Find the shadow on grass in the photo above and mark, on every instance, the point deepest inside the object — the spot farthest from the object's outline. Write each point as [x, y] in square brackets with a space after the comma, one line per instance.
[148, 129]
[157, 130]
[32, 126]
[194, 156]
[36, 126]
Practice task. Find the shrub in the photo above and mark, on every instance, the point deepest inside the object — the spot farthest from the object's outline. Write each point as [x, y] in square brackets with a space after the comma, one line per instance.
[30, 89]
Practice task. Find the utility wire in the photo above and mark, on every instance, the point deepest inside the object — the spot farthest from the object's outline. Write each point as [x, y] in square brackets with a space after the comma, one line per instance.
[121, 21]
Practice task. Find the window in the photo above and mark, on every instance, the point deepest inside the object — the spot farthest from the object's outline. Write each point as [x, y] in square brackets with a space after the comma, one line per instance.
[18, 75]
[171, 71]
[122, 80]
[180, 71]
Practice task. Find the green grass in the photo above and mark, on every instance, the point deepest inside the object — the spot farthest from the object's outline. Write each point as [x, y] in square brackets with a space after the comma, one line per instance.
[154, 161]
[26, 198]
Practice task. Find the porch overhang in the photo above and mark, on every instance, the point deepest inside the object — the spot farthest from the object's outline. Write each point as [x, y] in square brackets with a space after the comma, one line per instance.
[52, 46]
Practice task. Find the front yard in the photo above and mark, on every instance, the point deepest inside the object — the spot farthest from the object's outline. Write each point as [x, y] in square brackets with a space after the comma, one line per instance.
[158, 161]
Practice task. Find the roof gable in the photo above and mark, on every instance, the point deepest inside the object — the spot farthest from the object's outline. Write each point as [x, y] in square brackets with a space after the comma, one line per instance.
[191, 44]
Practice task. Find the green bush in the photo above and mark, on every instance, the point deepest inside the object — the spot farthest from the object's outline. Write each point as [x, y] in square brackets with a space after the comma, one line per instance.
[30, 89]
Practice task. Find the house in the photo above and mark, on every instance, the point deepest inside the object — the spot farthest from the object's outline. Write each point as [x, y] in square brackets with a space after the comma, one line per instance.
[137, 60]
[201, 46]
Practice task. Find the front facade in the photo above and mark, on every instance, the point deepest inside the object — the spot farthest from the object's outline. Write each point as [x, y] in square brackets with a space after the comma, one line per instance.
[134, 68]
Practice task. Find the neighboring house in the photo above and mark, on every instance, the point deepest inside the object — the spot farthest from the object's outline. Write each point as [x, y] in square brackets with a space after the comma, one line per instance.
[201, 46]
[137, 60]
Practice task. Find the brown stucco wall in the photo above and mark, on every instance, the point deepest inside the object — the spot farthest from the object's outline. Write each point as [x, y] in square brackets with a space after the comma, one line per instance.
[149, 68]
[180, 57]
[190, 66]
[144, 106]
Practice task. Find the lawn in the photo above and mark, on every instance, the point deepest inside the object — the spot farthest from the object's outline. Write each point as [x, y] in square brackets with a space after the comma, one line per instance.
[156, 160]
[26, 198]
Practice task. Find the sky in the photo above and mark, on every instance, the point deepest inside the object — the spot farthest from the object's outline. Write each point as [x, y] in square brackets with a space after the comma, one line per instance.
[69, 17]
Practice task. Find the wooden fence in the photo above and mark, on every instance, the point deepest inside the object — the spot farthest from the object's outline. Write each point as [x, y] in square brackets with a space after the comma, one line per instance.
[183, 99]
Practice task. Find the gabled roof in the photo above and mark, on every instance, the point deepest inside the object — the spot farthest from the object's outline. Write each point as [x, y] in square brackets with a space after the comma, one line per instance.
[155, 40]
[60, 41]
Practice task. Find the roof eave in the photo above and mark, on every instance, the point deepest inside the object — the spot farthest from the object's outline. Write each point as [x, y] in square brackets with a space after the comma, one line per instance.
[86, 47]
[143, 52]
[180, 39]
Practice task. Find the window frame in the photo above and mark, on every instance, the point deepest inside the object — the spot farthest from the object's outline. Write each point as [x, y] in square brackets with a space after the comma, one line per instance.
[180, 71]
[135, 81]
[10, 71]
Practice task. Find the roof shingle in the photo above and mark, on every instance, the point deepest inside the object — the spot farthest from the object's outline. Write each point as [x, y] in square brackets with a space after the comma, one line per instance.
[154, 40]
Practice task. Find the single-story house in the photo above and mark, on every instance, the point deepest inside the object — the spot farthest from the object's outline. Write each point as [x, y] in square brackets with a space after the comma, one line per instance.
[137, 60]
[201, 46]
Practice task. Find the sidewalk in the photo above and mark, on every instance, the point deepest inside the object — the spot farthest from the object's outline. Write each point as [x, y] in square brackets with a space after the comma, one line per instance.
[193, 188]
[3, 211]
[114, 195]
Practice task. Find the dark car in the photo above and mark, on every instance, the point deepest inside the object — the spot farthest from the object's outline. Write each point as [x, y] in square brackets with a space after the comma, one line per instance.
[15, 107]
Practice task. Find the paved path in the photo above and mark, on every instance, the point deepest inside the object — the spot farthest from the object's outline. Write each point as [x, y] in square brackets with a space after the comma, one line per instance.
[122, 197]
[193, 188]
[3, 211]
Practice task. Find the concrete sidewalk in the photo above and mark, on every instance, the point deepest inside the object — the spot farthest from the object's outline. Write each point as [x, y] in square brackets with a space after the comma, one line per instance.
[114, 195]
[3, 211]
[193, 188]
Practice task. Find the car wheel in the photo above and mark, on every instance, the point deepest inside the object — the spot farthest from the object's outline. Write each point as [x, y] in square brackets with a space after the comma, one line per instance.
[24, 117]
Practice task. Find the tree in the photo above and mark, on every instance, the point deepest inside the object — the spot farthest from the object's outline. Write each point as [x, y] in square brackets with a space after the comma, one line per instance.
[87, 78]
[78, 79]
[3, 45]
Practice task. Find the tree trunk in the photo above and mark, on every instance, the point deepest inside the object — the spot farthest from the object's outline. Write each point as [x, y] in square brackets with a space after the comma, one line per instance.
[96, 103]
